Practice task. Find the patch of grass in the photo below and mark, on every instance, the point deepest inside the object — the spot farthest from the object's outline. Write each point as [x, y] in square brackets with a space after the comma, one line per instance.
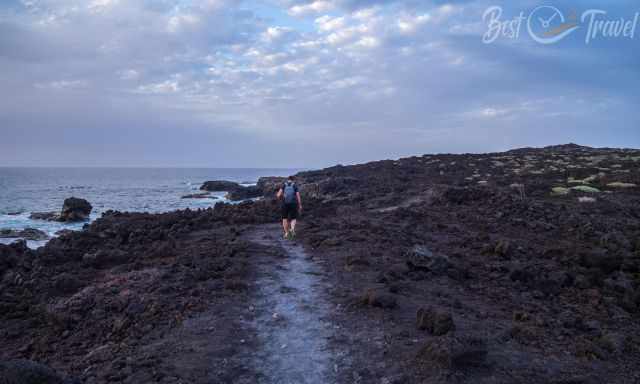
[558, 191]
[585, 189]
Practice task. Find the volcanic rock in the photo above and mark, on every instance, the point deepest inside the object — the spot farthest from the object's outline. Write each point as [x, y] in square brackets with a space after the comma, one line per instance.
[203, 195]
[220, 186]
[454, 353]
[270, 185]
[380, 299]
[29, 372]
[435, 322]
[48, 216]
[422, 259]
[75, 209]
[244, 193]
[27, 234]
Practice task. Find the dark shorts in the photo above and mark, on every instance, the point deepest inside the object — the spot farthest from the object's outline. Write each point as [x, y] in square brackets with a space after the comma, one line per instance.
[290, 211]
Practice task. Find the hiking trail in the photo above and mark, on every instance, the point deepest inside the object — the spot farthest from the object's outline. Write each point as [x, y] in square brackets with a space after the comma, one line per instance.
[291, 307]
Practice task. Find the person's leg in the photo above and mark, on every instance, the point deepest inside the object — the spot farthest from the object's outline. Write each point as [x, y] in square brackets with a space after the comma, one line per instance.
[285, 219]
[293, 218]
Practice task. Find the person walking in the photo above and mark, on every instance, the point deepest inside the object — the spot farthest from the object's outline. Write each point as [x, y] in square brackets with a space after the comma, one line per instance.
[291, 207]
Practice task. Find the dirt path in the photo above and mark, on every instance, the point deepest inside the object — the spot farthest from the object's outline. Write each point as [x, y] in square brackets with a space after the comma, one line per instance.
[292, 308]
[277, 329]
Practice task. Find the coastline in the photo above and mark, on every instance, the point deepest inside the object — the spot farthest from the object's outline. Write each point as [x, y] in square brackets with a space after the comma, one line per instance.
[465, 268]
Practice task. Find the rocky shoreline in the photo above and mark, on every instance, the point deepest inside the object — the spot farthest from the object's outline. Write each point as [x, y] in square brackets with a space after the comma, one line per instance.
[513, 267]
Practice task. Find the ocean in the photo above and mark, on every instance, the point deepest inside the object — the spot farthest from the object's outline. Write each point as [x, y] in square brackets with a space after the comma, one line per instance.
[27, 190]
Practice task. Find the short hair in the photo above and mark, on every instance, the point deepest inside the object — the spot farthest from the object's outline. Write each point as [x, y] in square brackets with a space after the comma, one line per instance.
[290, 178]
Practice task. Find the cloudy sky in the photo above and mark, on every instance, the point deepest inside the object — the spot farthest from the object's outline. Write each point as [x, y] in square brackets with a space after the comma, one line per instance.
[300, 83]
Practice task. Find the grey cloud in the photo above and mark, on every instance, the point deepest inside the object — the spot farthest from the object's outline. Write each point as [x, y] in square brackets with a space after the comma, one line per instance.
[153, 83]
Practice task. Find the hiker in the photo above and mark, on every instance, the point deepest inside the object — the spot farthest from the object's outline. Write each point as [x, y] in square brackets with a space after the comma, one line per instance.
[291, 206]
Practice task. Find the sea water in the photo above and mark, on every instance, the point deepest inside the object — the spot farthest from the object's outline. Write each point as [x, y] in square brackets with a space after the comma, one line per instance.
[27, 190]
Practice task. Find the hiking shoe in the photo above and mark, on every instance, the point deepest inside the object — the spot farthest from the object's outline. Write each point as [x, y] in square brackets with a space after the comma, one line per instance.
[292, 234]
[285, 236]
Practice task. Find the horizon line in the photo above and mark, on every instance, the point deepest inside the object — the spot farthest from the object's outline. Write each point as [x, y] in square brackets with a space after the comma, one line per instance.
[139, 167]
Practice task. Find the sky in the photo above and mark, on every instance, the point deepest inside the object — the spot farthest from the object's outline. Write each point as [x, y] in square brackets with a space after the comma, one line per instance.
[305, 83]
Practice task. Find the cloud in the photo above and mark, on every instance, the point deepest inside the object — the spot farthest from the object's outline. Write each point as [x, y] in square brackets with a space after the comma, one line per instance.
[318, 6]
[230, 83]
[327, 23]
[63, 84]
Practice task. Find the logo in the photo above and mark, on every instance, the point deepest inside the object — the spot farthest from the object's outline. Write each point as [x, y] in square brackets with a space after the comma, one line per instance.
[547, 24]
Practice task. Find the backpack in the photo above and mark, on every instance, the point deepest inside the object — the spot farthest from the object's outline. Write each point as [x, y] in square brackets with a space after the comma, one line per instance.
[289, 193]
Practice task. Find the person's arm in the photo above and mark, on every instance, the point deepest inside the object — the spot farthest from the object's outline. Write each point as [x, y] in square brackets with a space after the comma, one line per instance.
[279, 194]
[299, 201]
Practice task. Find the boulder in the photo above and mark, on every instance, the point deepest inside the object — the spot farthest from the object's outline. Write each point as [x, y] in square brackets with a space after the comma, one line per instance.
[270, 185]
[64, 232]
[380, 299]
[27, 234]
[244, 193]
[235, 191]
[220, 186]
[105, 258]
[435, 322]
[75, 209]
[48, 216]
[420, 258]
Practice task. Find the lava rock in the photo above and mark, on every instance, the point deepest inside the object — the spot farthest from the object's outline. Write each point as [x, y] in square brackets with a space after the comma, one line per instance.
[105, 258]
[48, 216]
[244, 193]
[420, 258]
[203, 195]
[454, 353]
[220, 186]
[29, 372]
[66, 283]
[435, 322]
[27, 234]
[601, 259]
[270, 185]
[380, 299]
[75, 209]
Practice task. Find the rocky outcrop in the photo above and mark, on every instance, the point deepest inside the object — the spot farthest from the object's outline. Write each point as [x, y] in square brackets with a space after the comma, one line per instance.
[48, 216]
[73, 210]
[235, 191]
[125, 279]
[270, 185]
[203, 195]
[27, 234]
[220, 186]
[244, 193]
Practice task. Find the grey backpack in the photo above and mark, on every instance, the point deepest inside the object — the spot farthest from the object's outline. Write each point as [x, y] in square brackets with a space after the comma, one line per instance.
[289, 193]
